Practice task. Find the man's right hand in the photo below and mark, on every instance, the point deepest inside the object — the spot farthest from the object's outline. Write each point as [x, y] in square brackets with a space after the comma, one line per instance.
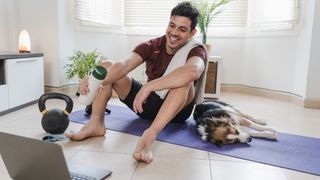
[84, 86]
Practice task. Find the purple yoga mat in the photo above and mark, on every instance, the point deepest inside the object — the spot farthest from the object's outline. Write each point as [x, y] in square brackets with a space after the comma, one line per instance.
[290, 151]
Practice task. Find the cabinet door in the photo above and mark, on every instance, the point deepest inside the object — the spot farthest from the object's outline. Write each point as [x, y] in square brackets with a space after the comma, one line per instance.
[25, 80]
[3, 97]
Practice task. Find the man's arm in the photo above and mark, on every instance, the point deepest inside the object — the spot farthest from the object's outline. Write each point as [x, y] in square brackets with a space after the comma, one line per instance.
[180, 77]
[116, 71]
[120, 69]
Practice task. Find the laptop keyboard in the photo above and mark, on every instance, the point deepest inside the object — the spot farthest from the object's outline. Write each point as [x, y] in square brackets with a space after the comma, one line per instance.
[75, 176]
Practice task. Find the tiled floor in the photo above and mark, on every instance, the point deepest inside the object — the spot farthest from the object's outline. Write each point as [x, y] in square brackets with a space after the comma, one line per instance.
[171, 161]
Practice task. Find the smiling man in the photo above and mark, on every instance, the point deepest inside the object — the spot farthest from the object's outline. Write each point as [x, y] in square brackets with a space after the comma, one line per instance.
[173, 63]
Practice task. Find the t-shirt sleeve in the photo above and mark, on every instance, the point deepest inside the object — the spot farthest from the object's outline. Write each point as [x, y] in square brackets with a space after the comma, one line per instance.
[197, 51]
[144, 49]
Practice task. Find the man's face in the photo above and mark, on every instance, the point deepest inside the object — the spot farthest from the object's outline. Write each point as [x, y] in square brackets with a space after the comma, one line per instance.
[178, 33]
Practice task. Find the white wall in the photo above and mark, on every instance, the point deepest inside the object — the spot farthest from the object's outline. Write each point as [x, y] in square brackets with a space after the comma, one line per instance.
[232, 52]
[3, 23]
[66, 38]
[313, 85]
[269, 62]
[303, 48]
[40, 19]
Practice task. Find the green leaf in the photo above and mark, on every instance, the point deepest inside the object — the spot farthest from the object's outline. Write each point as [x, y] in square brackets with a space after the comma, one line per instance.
[82, 64]
[207, 10]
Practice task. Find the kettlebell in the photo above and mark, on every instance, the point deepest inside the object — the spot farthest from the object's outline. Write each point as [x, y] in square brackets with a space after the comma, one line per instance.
[55, 121]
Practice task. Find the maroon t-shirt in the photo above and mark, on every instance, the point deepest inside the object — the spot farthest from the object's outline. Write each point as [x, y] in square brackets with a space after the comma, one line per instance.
[154, 53]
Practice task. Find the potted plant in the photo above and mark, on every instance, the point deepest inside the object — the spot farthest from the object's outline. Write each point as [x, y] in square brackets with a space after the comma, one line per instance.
[207, 10]
[82, 64]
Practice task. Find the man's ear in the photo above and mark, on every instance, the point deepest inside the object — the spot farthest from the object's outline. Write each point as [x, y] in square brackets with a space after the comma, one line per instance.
[194, 32]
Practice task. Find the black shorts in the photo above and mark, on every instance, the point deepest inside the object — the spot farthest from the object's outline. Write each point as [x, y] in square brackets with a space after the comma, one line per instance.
[153, 104]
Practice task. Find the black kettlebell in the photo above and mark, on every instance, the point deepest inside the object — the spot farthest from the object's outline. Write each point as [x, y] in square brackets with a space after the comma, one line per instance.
[55, 121]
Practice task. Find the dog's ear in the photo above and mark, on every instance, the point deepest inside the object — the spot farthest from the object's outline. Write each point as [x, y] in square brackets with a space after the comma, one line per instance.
[219, 143]
[209, 122]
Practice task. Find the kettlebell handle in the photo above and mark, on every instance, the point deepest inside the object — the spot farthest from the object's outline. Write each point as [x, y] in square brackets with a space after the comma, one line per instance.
[42, 102]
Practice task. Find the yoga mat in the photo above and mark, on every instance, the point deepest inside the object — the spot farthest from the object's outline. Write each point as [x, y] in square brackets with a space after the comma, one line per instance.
[293, 152]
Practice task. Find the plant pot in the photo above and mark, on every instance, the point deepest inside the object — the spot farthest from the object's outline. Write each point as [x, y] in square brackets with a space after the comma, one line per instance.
[209, 48]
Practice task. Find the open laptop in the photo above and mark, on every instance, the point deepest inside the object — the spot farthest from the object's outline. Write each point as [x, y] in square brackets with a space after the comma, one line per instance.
[27, 158]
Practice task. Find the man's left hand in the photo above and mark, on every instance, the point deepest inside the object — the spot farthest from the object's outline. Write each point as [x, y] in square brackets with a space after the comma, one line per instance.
[140, 99]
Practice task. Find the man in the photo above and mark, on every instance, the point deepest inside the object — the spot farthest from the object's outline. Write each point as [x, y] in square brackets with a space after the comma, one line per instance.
[176, 105]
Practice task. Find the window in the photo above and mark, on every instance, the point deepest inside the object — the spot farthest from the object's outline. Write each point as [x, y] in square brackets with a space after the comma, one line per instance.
[105, 12]
[157, 13]
[273, 12]
[148, 13]
[139, 14]
[232, 14]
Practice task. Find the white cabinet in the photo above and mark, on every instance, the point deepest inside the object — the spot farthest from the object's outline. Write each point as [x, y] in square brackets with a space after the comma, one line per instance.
[21, 80]
[25, 80]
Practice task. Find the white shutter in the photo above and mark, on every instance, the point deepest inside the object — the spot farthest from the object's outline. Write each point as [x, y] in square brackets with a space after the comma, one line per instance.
[273, 12]
[232, 14]
[108, 12]
[146, 13]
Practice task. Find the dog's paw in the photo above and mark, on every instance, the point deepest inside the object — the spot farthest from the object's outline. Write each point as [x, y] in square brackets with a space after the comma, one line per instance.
[271, 130]
[271, 135]
[260, 121]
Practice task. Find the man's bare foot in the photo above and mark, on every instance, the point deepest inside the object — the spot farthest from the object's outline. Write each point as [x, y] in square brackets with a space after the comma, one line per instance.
[92, 129]
[142, 152]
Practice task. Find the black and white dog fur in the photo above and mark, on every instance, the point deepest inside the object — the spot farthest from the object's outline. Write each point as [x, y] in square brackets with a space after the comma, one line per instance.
[220, 123]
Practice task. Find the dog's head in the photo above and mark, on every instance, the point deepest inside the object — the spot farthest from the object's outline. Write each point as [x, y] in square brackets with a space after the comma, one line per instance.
[221, 131]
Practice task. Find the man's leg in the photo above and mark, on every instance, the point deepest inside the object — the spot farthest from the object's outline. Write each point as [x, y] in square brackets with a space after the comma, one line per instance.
[95, 126]
[175, 101]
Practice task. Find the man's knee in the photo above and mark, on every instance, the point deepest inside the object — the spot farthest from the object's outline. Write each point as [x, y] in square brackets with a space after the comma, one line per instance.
[106, 63]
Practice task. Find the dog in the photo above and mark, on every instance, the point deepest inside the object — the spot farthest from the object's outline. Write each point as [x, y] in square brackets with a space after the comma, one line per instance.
[220, 123]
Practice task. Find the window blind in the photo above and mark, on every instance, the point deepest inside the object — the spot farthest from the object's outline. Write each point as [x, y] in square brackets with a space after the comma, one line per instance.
[148, 12]
[232, 14]
[157, 13]
[107, 12]
[273, 12]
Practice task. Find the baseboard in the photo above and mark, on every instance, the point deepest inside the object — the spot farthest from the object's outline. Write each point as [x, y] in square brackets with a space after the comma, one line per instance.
[69, 90]
[283, 96]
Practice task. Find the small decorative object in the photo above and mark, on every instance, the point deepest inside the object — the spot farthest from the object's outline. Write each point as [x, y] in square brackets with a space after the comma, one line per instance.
[24, 42]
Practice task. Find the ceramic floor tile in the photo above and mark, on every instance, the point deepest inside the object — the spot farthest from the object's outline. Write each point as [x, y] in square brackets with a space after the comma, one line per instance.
[5, 176]
[69, 154]
[74, 145]
[173, 168]
[121, 165]
[222, 170]
[113, 142]
[295, 175]
[3, 168]
[27, 132]
[220, 157]
[163, 149]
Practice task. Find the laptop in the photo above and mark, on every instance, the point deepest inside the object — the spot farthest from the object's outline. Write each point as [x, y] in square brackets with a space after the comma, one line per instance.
[27, 158]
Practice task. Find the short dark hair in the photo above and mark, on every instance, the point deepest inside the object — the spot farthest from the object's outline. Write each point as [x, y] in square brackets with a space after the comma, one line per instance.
[187, 10]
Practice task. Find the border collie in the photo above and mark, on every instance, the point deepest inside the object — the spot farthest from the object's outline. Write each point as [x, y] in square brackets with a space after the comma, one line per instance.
[220, 123]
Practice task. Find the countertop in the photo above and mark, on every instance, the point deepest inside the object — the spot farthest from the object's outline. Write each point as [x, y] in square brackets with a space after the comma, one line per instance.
[15, 55]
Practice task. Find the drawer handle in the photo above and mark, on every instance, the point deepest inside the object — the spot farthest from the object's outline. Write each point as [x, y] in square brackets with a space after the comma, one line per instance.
[25, 60]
